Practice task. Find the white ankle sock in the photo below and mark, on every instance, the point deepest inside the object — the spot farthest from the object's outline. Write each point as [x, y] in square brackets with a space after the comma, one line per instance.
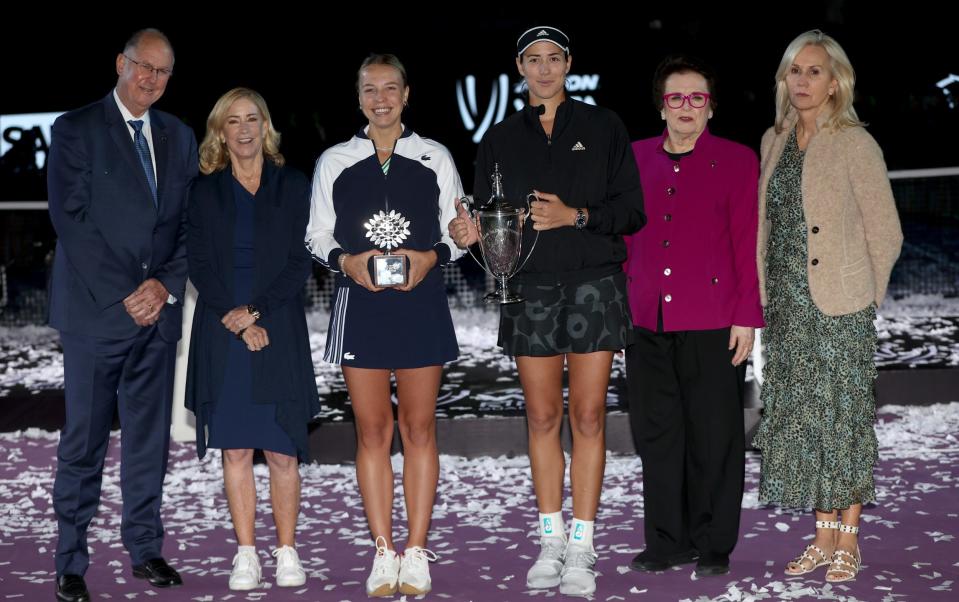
[250, 549]
[551, 524]
[581, 532]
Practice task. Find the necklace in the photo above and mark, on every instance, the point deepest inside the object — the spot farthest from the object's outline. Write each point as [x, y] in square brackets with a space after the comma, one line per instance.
[246, 178]
[388, 149]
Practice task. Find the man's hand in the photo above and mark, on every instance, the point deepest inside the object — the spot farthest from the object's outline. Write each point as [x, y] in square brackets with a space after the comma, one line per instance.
[145, 303]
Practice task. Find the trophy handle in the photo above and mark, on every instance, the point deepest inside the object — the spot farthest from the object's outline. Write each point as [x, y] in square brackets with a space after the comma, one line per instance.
[467, 203]
[529, 212]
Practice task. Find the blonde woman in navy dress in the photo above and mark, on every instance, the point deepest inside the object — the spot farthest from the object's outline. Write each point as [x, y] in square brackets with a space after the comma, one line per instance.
[250, 380]
[404, 330]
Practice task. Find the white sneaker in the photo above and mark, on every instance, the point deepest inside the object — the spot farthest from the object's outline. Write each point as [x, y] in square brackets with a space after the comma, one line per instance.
[546, 570]
[415, 571]
[246, 571]
[289, 573]
[382, 581]
[578, 577]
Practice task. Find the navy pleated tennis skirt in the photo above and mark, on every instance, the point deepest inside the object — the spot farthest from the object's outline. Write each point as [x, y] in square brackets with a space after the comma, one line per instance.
[390, 328]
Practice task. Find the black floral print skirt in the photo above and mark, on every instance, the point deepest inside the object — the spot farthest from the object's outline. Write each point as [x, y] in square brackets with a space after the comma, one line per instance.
[567, 318]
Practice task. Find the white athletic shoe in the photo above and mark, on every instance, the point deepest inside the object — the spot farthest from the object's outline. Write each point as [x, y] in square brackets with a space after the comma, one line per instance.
[383, 579]
[246, 571]
[289, 572]
[546, 570]
[578, 577]
[415, 571]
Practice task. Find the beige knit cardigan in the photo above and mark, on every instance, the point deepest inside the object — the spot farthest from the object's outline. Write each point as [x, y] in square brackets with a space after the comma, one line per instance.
[853, 231]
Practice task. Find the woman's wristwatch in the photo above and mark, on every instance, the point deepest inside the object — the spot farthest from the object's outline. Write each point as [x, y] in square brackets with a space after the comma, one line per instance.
[253, 311]
[581, 218]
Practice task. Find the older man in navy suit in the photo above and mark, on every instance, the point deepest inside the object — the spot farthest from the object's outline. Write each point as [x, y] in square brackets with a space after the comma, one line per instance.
[118, 174]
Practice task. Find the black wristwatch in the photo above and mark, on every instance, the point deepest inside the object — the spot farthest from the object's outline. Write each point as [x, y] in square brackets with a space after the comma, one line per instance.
[253, 311]
[581, 219]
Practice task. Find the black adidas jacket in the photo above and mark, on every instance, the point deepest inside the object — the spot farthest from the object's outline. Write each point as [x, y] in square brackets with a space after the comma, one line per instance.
[588, 163]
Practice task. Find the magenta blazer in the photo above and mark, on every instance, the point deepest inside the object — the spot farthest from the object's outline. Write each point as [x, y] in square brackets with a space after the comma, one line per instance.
[697, 253]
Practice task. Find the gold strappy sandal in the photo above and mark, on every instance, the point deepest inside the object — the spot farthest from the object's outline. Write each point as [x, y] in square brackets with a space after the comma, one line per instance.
[813, 557]
[845, 565]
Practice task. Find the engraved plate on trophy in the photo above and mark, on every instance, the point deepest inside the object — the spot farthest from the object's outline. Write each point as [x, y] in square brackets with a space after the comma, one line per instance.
[388, 231]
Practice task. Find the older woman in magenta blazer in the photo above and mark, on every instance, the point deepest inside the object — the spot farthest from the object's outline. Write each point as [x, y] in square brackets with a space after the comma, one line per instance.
[694, 298]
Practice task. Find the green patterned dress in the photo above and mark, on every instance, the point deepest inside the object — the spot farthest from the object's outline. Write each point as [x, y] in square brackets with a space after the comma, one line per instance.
[817, 438]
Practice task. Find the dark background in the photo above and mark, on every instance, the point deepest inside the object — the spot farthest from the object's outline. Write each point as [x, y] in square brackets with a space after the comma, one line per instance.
[305, 65]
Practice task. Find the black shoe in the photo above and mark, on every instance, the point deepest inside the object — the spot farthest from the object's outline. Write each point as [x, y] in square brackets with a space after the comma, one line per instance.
[72, 588]
[646, 562]
[158, 573]
[709, 567]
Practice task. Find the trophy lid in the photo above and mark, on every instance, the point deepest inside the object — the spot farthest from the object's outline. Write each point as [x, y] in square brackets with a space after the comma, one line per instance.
[497, 200]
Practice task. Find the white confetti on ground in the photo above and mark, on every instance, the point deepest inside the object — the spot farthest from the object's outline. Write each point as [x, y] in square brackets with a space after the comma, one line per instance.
[484, 517]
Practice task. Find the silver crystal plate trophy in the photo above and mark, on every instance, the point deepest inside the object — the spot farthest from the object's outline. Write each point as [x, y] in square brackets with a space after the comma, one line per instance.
[500, 228]
[388, 231]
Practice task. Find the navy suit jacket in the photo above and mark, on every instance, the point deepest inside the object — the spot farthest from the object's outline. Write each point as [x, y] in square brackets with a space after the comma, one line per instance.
[110, 236]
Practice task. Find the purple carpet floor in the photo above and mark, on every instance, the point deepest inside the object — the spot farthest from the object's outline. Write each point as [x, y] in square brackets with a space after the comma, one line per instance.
[483, 526]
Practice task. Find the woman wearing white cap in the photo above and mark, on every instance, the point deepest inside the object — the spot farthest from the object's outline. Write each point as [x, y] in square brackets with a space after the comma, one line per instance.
[577, 160]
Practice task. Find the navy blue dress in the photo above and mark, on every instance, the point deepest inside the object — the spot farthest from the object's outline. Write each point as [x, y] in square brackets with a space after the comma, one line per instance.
[236, 421]
[388, 329]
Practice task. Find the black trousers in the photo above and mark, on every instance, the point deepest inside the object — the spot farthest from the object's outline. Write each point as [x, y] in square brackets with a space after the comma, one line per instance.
[686, 414]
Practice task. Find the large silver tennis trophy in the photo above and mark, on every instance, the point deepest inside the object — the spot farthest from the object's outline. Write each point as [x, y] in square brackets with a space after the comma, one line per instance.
[500, 227]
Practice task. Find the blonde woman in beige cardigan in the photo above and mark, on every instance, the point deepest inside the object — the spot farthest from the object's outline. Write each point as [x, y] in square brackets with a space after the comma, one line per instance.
[828, 238]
